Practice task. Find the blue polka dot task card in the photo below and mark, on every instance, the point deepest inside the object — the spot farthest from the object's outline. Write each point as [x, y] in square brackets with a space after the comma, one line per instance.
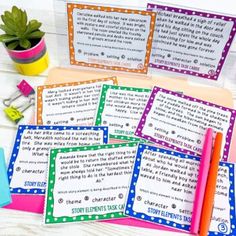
[88, 183]
[29, 159]
[162, 191]
[5, 197]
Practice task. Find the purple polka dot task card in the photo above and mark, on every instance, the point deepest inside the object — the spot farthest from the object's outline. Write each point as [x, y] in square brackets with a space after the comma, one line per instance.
[162, 191]
[191, 42]
[179, 122]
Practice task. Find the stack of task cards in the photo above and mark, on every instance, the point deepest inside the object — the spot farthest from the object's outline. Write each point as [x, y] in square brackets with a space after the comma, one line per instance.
[5, 197]
[28, 164]
[85, 178]
[162, 190]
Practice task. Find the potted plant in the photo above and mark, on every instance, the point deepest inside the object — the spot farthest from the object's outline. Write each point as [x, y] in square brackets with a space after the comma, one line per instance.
[24, 42]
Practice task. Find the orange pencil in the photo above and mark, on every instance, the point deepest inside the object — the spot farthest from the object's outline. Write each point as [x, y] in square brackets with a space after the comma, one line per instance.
[211, 187]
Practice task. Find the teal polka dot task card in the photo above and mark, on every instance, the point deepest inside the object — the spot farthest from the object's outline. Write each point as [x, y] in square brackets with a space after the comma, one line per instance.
[29, 159]
[121, 108]
[5, 197]
[88, 183]
[162, 190]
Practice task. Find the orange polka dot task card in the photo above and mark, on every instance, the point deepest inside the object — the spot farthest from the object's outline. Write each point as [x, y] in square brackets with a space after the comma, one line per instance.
[73, 103]
[110, 38]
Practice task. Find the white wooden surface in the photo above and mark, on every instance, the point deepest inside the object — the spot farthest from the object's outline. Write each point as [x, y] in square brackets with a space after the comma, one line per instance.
[21, 223]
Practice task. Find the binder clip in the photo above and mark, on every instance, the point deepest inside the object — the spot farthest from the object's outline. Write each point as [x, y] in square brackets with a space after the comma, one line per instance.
[15, 114]
[24, 89]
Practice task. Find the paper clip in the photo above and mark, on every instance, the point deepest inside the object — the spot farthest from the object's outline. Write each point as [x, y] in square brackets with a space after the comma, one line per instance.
[24, 90]
[15, 114]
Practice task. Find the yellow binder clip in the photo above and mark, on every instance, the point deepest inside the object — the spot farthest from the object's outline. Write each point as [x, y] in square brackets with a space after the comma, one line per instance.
[15, 114]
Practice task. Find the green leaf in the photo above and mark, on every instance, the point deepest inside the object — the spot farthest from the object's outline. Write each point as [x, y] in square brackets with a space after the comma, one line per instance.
[27, 31]
[31, 27]
[16, 13]
[6, 38]
[8, 14]
[7, 30]
[17, 17]
[13, 45]
[9, 22]
[33, 21]
[25, 43]
[35, 35]
[24, 20]
[21, 27]
[35, 25]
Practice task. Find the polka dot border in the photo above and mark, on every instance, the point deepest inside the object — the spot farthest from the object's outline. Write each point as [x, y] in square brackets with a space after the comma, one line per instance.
[15, 152]
[149, 105]
[40, 90]
[143, 69]
[225, 51]
[102, 104]
[141, 215]
[132, 190]
[49, 218]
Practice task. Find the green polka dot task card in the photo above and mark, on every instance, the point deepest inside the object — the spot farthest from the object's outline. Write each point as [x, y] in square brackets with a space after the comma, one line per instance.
[121, 108]
[88, 183]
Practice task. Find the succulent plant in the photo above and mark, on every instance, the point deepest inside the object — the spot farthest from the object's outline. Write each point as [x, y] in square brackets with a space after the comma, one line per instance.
[19, 32]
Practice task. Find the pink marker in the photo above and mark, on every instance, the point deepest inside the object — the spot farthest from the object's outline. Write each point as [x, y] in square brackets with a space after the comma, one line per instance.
[202, 180]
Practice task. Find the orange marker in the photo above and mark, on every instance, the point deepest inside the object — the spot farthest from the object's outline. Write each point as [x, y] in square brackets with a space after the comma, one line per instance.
[211, 187]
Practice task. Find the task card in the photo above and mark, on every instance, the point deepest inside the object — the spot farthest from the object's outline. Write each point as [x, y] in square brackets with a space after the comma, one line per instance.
[69, 103]
[110, 38]
[121, 108]
[5, 197]
[191, 42]
[29, 160]
[88, 183]
[179, 122]
[162, 190]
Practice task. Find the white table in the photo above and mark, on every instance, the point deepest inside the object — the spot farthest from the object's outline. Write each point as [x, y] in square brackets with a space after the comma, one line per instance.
[21, 223]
